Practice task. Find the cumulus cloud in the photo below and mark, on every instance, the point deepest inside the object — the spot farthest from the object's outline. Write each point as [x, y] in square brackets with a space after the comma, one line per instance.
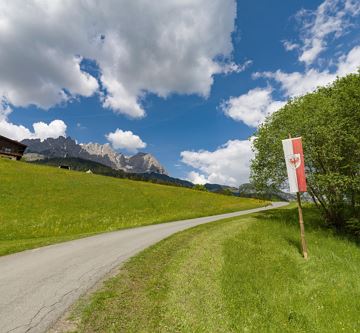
[40, 131]
[196, 178]
[139, 46]
[15, 132]
[54, 129]
[330, 19]
[296, 83]
[125, 140]
[252, 107]
[228, 165]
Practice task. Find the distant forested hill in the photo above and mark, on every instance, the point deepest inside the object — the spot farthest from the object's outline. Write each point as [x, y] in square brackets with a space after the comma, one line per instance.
[248, 191]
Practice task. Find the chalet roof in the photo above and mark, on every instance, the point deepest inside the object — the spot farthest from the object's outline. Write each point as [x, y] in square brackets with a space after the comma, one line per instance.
[13, 141]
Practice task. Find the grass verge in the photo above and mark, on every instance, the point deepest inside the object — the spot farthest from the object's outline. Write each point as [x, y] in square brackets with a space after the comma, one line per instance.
[240, 275]
[42, 205]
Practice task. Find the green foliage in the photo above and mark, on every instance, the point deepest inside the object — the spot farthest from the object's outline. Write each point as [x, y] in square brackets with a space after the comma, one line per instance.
[240, 275]
[199, 187]
[328, 120]
[226, 191]
[41, 205]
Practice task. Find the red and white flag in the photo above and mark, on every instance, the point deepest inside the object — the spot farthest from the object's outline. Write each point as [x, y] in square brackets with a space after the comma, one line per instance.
[295, 166]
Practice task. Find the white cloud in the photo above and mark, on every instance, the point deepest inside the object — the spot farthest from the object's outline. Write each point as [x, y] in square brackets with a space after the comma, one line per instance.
[41, 130]
[196, 178]
[331, 18]
[296, 83]
[140, 47]
[125, 140]
[235, 68]
[289, 46]
[54, 129]
[15, 132]
[252, 107]
[5, 110]
[227, 165]
[310, 54]
[349, 63]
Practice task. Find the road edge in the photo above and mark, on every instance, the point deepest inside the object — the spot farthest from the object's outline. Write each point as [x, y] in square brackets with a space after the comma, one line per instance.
[64, 325]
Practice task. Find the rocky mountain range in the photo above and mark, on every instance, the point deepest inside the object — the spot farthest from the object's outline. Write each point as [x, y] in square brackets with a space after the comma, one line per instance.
[104, 154]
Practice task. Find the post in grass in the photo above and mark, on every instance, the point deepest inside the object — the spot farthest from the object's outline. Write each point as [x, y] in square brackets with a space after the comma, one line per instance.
[294, 158]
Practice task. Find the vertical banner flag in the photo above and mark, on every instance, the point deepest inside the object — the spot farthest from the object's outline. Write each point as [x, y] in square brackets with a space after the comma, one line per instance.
[294, 158]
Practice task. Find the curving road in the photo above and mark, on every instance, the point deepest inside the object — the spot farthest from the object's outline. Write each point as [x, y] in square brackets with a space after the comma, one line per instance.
[37, 286]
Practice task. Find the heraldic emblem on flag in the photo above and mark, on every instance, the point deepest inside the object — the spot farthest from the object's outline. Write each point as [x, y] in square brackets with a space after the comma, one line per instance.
[294, 158]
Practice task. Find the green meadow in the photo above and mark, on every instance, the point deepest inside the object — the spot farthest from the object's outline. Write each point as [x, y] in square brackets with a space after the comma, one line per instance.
[41, 205]
[244, 274]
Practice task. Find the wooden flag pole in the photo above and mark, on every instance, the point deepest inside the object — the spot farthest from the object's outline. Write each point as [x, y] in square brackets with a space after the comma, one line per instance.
[301, 222]
[302, 229]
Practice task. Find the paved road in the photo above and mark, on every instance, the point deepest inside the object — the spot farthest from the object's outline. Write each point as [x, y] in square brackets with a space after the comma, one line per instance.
[37, 286]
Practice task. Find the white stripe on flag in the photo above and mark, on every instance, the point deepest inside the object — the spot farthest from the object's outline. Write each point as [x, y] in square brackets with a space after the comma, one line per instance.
[288, 152]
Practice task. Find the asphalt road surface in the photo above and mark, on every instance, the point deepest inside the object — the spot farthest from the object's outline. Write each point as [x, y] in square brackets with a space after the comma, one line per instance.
[38, 286]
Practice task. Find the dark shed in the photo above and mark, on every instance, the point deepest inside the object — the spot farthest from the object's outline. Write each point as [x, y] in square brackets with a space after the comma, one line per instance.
[11, 148]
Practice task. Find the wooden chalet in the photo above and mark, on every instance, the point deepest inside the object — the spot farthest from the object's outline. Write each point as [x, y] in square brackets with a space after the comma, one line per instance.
[11, 149]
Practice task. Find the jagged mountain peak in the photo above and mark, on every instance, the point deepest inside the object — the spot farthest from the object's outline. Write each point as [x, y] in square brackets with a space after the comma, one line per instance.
[147, 162]
[99, 149]
[105, 150]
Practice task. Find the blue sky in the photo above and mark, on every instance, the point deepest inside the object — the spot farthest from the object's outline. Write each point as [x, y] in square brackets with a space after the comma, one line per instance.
[189, 133]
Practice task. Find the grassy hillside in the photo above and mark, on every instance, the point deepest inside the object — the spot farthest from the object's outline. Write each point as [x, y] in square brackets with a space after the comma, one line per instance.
[240, 275]
[41, 205]
[79, 164]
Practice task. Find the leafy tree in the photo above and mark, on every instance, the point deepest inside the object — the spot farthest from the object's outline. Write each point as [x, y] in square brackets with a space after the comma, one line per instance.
[225, 191]
[199, 187]
[328, 120]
